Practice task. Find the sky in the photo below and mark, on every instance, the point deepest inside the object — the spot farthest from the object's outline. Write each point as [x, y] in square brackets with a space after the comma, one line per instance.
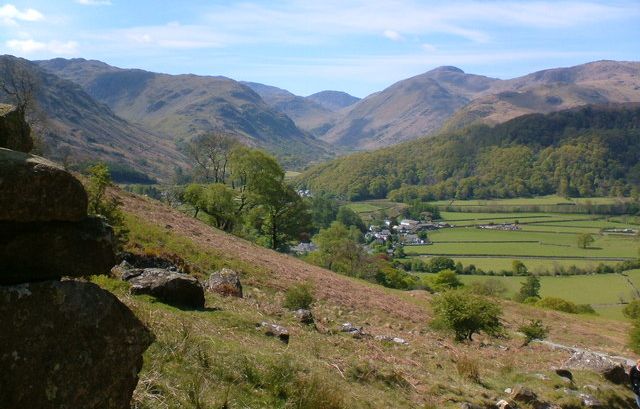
[305, 46]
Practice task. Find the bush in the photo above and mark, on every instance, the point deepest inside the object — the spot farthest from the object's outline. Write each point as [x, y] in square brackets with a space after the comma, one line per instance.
[632, 310]
[558, 304]
[466, 314]
[634, 337]
[533, 330]
[445, 280]
[299, 296]
[491, 287]
[585, 309]
[468, 368]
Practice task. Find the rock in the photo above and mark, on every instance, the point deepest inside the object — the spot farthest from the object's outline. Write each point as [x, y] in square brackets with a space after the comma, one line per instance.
[504, 404]
[590, 401]
[121, 269]
[542, 376]
[180, 290]
[274, 330]
[225, 282]
[15, 133]
[523, 394]
[387, 338]
[35, 189]
[68, 344]
[467, 405]
[615, 374]
[356, 332]
[44, 251]
[508, 390]
[304, 316]
[170, 262]
[564, 373]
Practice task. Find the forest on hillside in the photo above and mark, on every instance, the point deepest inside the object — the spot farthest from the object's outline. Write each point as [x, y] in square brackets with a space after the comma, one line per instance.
[587, 151]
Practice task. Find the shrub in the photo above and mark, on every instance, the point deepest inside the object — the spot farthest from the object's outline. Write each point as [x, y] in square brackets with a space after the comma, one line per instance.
[632, 310]
[299, 296]
[558, 304]
[585, 309]
[634, 337]
[491, 287]
[445, 280]
[468, 368]
[466, 314]
[533, 330]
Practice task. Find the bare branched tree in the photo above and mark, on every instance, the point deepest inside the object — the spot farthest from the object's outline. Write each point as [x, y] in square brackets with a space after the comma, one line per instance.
[211, 153]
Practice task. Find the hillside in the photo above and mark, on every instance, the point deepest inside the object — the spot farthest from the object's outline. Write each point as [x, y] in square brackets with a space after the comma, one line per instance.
[551, 90]
[216, 357]
[181, 106]
[76, 128]
[407, 109]
[586, 151]
[307, 114]
[333, 100]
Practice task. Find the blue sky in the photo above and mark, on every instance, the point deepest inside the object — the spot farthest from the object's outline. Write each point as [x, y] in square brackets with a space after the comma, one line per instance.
[358, 46]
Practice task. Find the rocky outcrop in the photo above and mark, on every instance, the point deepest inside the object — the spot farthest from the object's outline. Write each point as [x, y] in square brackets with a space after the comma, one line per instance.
[611, 370]
[225, 282]
[33, 189]
[68, 344]
[304, 316]
[274, 330]
[42, 251]
[180, 290]
[15, 133]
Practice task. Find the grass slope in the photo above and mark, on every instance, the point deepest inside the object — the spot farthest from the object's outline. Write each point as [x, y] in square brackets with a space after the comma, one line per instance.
[216, 359]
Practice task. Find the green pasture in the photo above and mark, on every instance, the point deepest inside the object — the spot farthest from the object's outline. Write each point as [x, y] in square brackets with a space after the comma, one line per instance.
[604, 291]
[363, 207]
[533, 201]
[534, 265]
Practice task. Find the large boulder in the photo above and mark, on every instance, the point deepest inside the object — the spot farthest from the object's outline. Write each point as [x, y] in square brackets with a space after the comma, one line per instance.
[68, 344]
[612, 370]
[180, 290]
[33, 189]
[42, 251]
[15, 132]
[225, 282]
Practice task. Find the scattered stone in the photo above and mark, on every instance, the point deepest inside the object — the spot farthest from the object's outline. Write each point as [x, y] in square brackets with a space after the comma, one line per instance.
[542, 376]
[387, 338]
[15, 133]
[274, 330]
[68, 344]
[611, 370]
[44, 251]
[304, 316]
[590, 401]
[172, 263]
[121, 269]
[508, 390]
[33, 189]
[504, 404]
[524, 394]
[225, 282]
[564, 373]
[356, 332]
[467, 405]
[172, 288]
[591, 388]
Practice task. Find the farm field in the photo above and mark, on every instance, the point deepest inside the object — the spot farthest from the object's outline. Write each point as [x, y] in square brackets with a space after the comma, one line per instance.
[534, 201]
[604, 292]
[534, 265]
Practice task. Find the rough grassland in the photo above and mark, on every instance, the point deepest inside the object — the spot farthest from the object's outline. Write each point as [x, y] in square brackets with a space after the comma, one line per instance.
[216, 359]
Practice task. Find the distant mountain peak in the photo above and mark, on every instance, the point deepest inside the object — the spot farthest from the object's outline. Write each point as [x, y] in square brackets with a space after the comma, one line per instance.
[446, 68]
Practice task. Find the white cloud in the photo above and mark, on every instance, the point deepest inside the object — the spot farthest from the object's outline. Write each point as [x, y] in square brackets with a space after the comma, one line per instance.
[94, 2]
[26, 47]
[392, 35]
[429, 47]
[10, 15]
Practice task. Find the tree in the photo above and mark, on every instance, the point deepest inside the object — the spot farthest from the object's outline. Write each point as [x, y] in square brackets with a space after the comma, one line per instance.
[338, 250]
[349, 217]
[440, 263]
[216, 200]
[530, 288]
[211, 154]
[466, 314]
[100, 204]
[585, 240]
[445, 280]
[286, 216]
[324, 210]
[519, 268]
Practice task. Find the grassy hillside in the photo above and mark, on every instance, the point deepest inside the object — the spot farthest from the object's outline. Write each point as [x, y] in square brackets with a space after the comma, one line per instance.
[588, 151]
[216, 358]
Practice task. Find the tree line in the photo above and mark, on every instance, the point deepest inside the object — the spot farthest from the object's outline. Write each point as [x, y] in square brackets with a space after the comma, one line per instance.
[589, 151]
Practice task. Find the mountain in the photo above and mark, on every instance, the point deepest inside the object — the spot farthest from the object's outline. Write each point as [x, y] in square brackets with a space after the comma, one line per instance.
[307, 114]
[181, 106]
[408, 109]
[333, 100]
[585, 151]
[551, 90]
[77, 128]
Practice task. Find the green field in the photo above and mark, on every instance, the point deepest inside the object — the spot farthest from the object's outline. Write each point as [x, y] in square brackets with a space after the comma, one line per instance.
[534, 201]
[604, 292]
[534, 265]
